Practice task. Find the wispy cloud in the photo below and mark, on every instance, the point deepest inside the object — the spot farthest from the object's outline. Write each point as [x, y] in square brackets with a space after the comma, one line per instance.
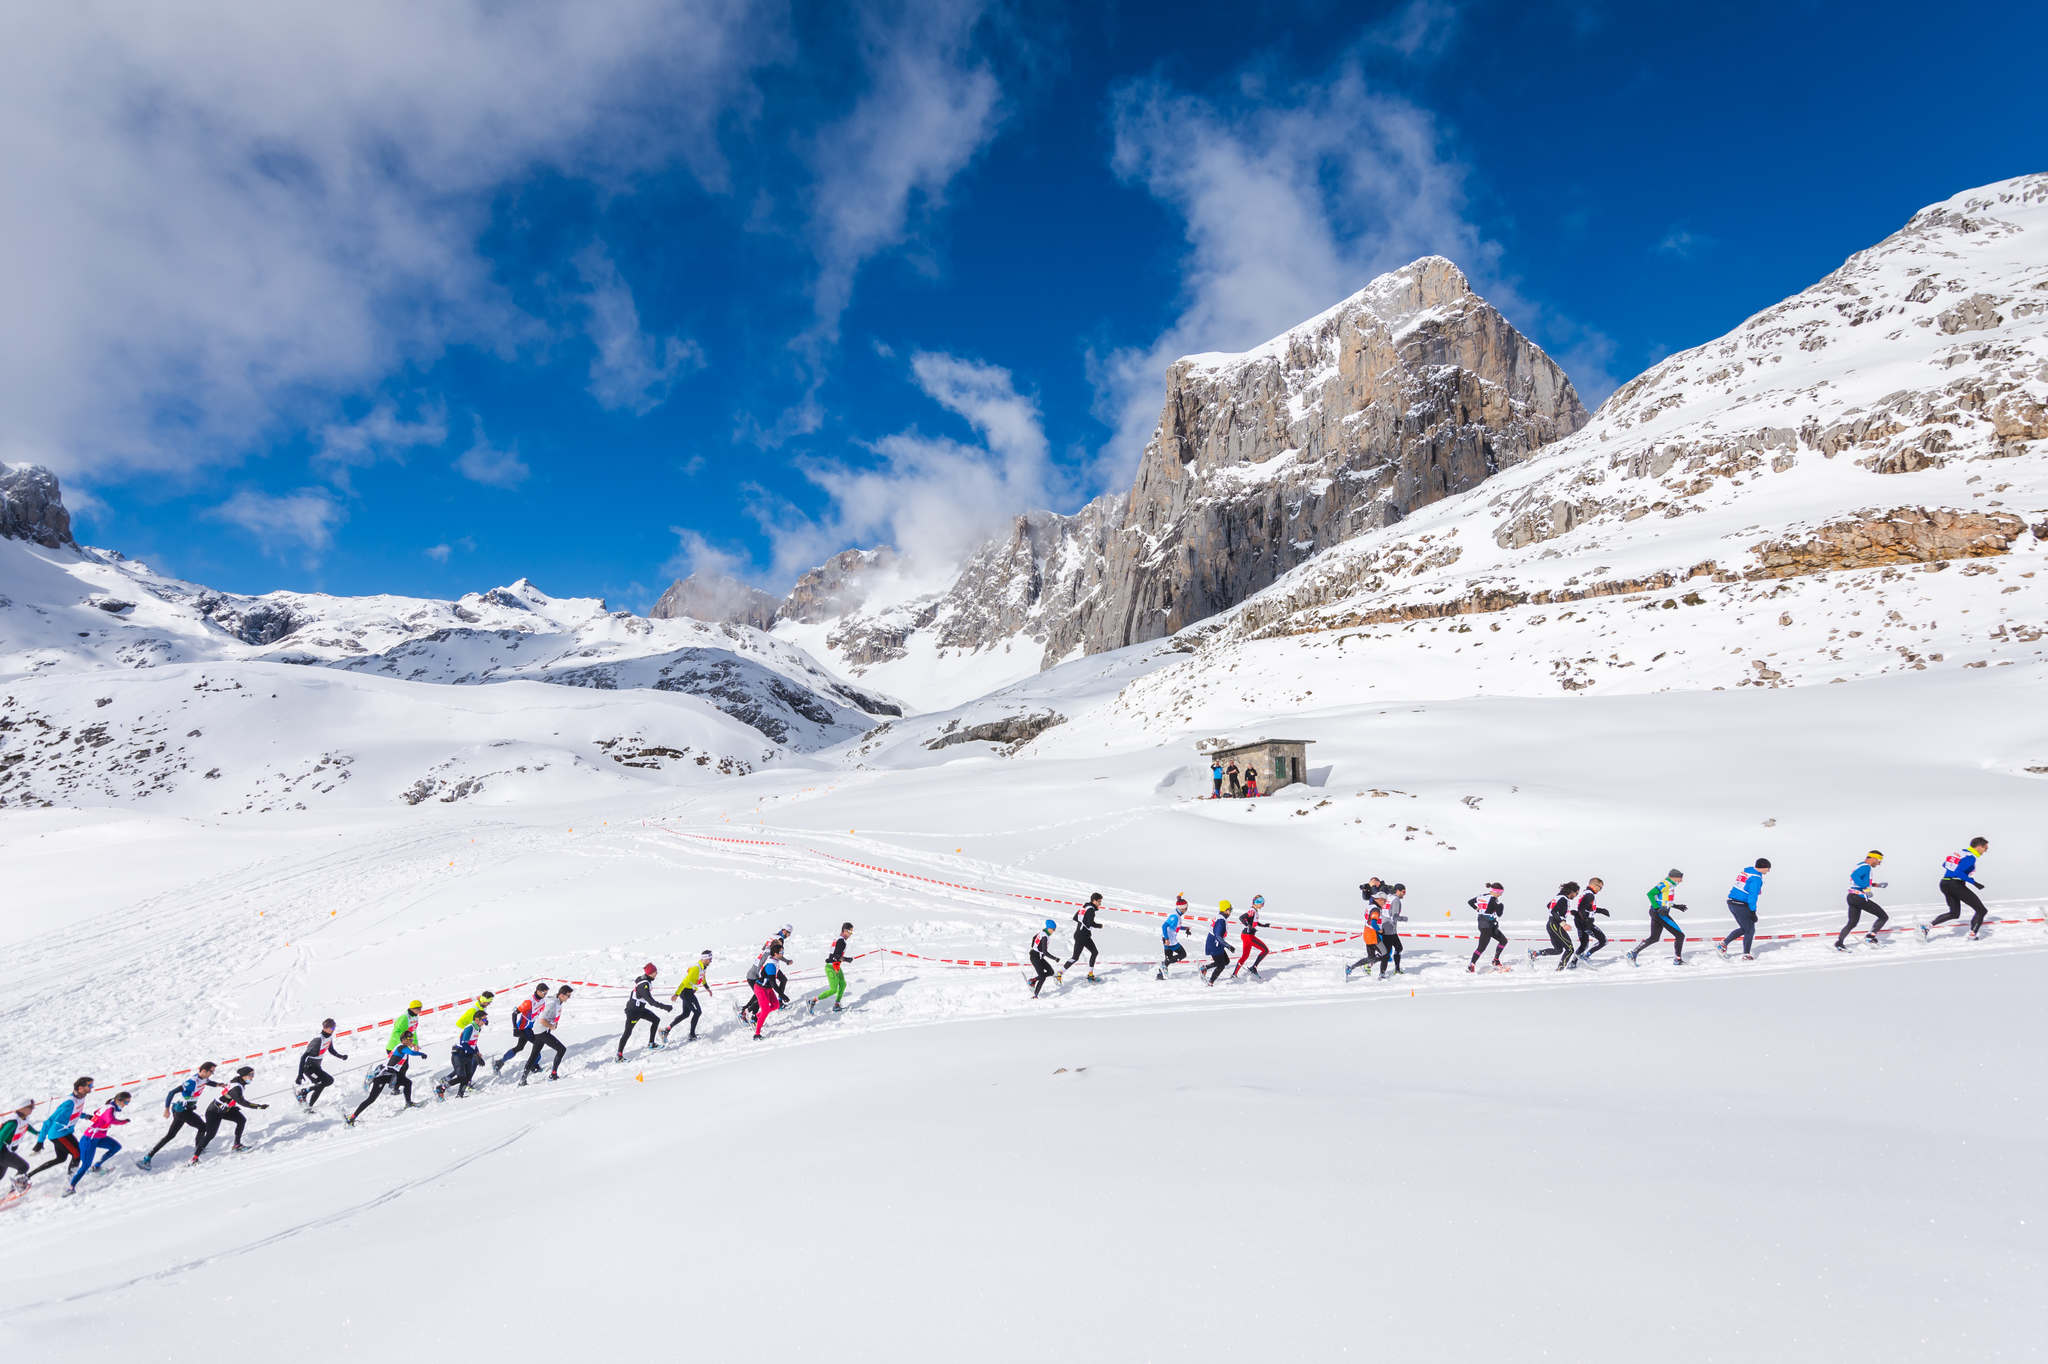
[930, 105]
[483, 462]
[932, 497]
[1682, 244]
[380, 433]
[631, 371]
[1419, 31]
[1291, 200]
[222, 218]
[301, 521]
[442, 552]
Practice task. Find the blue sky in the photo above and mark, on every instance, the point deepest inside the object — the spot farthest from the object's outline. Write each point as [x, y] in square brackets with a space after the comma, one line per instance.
[424, 299]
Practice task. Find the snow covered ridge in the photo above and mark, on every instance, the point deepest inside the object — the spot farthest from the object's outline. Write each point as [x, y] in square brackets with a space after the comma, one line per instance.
[1887, 422]
[120, 683]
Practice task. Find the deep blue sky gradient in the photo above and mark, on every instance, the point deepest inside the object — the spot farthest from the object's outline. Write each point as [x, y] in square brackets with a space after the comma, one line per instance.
[1773, 140]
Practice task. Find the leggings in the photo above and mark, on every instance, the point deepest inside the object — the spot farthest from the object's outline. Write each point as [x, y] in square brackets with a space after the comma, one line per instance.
[1217, 961]
[835, 986]
[10, 1161]
[180, 1119]
[1084, 941]
[545, 1039]
[1859, 905]
[1489, 931]
[1658, 923]
[90, 1147]
[213, 1121]
[1043, 966]
[67, 1149]
[1372, 954]
[1588, 932]
[462, 1064]
[769, 1004]
[1245, 943]
[634, 1014]
[1174, 952]
[401, 1085]
[1390, 951]
[1745, 927]
[686, 1007]
[1958, 893]
[522, 1038]
[317, 1073]
[1560, 943]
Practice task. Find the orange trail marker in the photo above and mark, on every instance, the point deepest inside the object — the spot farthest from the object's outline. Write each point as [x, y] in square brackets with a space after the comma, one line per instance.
[641, 1078]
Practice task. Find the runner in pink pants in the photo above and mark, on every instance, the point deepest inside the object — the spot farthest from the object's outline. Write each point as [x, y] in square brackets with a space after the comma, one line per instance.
[764, 991]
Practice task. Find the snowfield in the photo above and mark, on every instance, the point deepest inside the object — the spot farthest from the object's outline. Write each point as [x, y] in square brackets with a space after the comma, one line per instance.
[1784, 597]
[1442, 1162]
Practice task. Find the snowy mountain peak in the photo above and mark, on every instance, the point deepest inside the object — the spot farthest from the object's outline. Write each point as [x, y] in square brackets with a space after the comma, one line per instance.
[1397, 298]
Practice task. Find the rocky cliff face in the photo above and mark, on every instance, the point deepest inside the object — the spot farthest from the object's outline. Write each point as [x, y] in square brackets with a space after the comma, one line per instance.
[32, 507]
[1411, 390]
[1890, 416]
[716, 598]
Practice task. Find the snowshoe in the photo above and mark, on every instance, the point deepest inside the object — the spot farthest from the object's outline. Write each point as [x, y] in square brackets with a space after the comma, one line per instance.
[1870, 938]
[1840, 947]
[1925, 933]
[143, 1164]
[1749, 956]
[1347, 973]
[1631, 958]
[836, 1008]
[440, 1094]
[1160, 974]
[349, 1121]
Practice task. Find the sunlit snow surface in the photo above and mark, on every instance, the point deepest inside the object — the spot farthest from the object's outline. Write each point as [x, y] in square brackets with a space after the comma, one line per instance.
[1802, 1156]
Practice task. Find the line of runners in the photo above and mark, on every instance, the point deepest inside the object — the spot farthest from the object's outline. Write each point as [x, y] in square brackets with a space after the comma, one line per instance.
[535, 1019]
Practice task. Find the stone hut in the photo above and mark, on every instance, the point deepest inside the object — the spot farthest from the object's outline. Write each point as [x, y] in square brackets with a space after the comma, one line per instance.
[1280, 762]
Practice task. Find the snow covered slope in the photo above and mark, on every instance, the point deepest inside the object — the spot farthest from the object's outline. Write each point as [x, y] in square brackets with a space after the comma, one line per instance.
[1279, 1142]
[122, 684]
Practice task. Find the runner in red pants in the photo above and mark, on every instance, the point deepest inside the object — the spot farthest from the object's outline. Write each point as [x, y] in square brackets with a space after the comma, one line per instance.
[1248, 938]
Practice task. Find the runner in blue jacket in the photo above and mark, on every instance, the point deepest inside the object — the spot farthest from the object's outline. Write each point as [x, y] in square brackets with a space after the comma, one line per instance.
[1170, 931]
[1217, 944]
[1958, 874]
[1860, 903]
[56, 1129]
[1742, 898]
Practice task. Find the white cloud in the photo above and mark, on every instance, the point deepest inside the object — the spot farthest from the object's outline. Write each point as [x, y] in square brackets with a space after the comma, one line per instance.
[439, 553]
[220, 216]
[1681, 244]
[631, 371]
[932, 497]
[484, 462]
[1420, 30]
[378, 434]
[695, 554]
[931, 104]
[1292, 200]
[302, 520]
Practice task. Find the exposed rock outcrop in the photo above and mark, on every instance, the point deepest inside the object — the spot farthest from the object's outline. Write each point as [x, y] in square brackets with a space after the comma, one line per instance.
[1904, 535]
[1012, 731]
[716, 598]
[1411, 390]
[32, 507]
